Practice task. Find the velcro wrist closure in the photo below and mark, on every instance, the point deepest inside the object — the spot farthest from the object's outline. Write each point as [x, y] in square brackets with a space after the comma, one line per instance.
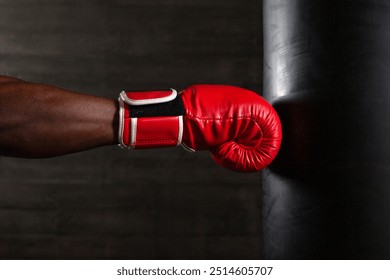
[150, 119]
[140, 98]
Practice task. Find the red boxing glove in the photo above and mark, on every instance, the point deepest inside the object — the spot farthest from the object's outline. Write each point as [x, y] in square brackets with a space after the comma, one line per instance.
[241, 129]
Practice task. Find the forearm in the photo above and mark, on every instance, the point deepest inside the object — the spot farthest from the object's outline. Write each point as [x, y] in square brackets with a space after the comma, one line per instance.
[42, 121]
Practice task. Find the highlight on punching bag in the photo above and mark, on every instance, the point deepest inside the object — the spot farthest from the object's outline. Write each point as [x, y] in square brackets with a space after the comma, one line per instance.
[327, 72]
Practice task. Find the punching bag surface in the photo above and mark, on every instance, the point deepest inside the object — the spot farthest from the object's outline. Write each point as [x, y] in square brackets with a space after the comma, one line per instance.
[327, 72]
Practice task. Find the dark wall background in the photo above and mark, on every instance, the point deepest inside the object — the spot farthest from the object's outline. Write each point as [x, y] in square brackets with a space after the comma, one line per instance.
[108, 203]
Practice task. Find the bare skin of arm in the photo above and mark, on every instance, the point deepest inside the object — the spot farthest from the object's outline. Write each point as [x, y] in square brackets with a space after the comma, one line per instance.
[38, 121]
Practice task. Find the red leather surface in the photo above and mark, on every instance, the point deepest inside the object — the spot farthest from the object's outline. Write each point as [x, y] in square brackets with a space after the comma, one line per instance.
[142, 95]
[147, 132]
[241, 129]
[153, 132]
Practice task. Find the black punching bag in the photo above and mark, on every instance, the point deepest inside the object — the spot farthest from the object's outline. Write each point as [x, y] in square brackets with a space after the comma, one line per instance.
[327, 72]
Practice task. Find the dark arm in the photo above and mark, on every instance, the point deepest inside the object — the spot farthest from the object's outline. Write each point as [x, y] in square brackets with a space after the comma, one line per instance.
[39, 120]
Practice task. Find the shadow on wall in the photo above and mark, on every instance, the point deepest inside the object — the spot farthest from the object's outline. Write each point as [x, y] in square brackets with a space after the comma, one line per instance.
[112, 204]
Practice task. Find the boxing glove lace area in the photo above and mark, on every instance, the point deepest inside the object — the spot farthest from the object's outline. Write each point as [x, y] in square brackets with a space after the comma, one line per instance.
[150, 119]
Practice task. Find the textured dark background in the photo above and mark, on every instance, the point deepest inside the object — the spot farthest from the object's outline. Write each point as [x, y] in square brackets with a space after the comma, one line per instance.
[108, 203]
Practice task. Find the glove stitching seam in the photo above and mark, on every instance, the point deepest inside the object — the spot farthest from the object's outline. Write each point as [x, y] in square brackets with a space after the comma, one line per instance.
[228, 118]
